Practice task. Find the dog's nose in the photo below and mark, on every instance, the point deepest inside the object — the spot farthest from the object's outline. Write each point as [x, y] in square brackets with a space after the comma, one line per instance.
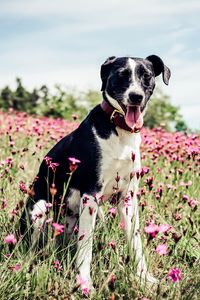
[134, 98]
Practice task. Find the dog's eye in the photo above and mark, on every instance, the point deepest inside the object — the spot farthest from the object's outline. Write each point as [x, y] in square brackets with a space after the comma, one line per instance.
[147, 76]
[124, 73]
[146, 79]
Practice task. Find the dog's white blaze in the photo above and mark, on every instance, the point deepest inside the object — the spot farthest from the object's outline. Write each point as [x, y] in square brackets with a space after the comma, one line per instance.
[135, 86]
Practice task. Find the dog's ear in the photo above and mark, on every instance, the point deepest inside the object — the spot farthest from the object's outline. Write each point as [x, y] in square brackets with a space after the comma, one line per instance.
[105, 70]
[159, 67]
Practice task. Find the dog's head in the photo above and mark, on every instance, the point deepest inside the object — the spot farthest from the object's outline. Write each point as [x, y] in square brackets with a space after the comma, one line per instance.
[128, 83]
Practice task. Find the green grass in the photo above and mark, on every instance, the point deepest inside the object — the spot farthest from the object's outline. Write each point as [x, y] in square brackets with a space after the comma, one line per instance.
[38, 279]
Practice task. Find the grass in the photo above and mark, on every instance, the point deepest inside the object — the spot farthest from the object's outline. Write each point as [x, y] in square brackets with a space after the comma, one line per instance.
[169, 194]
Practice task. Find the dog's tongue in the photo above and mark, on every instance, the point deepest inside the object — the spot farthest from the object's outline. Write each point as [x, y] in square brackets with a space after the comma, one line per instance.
[134, 117]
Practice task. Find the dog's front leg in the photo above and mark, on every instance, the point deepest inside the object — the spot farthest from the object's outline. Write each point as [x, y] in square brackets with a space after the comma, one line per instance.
[129, 215]
[88, 212]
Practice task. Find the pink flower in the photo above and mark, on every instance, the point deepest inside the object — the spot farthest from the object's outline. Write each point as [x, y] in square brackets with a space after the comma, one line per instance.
[174, 274]
[53, 166]
[193, 202]
[80, 280]
[162, 249]
[10, 239]
[112, 211]
[152, 230]
[74, 162]
[48, 160]
[112, 244]
[85, 291]
[57, 265]
[76, 229]
[164, 228]
[22, 187]
[16, 268]
[58, 228]
[83, 283]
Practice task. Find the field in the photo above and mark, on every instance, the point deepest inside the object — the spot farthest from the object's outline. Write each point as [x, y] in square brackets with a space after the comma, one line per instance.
[169, 201]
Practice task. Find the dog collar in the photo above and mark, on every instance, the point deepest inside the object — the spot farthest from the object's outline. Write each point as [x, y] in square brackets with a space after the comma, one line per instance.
[116, 117]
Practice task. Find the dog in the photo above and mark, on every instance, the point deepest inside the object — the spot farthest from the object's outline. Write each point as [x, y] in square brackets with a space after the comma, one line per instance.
[106, 146]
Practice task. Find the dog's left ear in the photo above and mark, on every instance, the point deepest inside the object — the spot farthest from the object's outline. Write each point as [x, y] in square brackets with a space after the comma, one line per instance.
[105, 70]
[159, 67]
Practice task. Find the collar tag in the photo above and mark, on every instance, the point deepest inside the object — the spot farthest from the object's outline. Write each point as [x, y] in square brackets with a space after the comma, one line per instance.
[115, 111]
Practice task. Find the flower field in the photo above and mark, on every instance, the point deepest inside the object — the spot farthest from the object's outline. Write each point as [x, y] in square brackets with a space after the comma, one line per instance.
[169, 198]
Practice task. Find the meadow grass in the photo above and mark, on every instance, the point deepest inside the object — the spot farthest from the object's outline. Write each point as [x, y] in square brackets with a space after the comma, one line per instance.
[169, 194]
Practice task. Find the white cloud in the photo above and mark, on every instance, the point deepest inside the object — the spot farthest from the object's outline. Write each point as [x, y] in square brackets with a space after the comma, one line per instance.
[76, 36]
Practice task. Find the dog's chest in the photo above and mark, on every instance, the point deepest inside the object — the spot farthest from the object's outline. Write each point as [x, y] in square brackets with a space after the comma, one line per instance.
[120, 157]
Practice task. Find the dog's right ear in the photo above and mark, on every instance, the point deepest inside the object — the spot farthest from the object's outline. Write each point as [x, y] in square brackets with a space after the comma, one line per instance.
[105, 70]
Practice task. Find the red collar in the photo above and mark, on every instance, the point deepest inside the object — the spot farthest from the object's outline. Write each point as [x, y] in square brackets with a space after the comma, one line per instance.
[116, 117]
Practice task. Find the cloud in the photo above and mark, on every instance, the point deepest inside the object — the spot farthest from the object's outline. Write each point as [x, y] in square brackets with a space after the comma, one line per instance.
[66, 41]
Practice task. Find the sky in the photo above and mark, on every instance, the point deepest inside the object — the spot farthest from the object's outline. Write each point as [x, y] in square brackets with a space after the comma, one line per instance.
[65, 42]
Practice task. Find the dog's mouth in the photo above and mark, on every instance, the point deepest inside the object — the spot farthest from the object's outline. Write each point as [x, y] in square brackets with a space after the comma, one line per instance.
[133, 117]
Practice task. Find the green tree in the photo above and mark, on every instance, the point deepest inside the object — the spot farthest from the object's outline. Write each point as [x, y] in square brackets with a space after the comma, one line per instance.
[161, 112]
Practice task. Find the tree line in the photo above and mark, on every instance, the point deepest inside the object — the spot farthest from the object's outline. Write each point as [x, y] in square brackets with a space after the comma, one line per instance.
[65, 103]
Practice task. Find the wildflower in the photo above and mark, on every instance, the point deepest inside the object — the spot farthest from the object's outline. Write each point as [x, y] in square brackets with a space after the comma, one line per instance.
[16, 267]
[164, 228]
[10, 239]
[133, 156]
[81, 237]
[85, 200]
[48, 205]
[112, 244]
[162, 249]
[53, 166]
[152, 230]
[53, 190]
[144, 170]
[75, 117]
[22, 187]
[185, 198]
[192, 203]
[91, 210]
[48, 160]
[177, 216]
[85, 291]
[174, 274]
[73, 165]
[57, 265]
[58, 228]
[117, 178]
[111, 282]
[3, 204]
[76, 229]
[175, 237]
[112, 211]
[83, 283]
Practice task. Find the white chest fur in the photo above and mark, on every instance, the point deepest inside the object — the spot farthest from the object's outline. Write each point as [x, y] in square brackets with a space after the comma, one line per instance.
[116, 160]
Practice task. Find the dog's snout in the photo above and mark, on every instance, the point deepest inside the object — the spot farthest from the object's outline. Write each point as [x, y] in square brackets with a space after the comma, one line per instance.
[134, 98]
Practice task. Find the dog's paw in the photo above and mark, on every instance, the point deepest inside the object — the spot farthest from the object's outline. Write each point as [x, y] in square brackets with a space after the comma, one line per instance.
[147, 279]
[150, 279]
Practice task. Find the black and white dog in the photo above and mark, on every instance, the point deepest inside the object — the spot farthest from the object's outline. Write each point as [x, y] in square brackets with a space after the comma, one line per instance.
[107, 143]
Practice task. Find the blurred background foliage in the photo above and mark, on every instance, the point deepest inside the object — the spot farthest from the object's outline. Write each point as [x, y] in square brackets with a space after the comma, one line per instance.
[69, 103]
